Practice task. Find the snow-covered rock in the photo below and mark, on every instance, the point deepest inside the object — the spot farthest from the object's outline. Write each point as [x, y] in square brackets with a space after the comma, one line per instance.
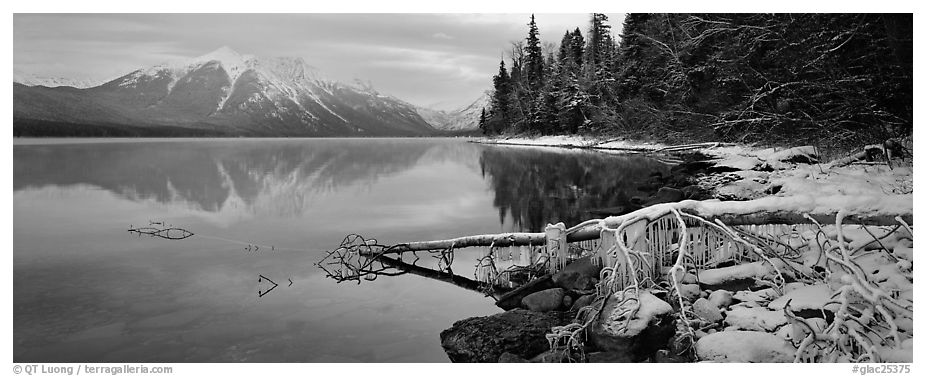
[757, 318]
[647, 330]
[706, 310]
[813, 297]
[744, 347]
[721, 298]
[755, 270]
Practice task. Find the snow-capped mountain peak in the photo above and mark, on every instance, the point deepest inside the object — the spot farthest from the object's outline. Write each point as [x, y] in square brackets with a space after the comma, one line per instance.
[464, 118]
[35, 80]
[253, 95]
[293, 69]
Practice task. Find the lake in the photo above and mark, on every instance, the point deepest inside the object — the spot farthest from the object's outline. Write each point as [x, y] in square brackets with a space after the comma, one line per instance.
[85, 289]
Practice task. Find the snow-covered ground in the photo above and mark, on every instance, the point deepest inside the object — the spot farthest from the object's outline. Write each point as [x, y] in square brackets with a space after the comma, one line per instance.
[851, 286]
[574, 141]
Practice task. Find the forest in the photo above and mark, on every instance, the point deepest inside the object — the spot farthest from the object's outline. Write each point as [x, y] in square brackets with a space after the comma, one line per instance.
[836, 81]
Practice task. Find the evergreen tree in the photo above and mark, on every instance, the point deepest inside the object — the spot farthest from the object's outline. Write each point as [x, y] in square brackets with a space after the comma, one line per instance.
[577, 45]
[482, 122]
[499, 118]
[534, 64]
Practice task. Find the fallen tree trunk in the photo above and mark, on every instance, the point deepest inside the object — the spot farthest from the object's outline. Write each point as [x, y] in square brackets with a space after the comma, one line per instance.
[859, 210]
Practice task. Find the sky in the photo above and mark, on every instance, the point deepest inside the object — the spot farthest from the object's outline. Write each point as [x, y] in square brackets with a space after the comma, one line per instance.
[443, 61]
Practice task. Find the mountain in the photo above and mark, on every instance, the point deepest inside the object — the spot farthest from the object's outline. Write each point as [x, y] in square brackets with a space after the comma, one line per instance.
[220, 93]
[461, 119]
[33, 80]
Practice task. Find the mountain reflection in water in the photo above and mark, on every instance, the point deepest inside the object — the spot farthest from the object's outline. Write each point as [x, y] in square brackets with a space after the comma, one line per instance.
[85, 290]
[531, 186]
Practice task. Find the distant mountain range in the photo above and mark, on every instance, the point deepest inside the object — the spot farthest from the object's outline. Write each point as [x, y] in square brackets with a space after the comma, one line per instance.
[463, 119]
[222, 93]
[34, 80]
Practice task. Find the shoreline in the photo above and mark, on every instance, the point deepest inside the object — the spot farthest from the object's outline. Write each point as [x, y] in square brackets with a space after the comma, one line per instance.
[729, 311]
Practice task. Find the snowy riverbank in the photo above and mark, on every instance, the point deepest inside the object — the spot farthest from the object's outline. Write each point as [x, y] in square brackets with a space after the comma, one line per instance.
[776, 292]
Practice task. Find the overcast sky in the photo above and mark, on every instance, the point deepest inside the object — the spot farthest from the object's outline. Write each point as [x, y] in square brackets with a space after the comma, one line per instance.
[441, 60]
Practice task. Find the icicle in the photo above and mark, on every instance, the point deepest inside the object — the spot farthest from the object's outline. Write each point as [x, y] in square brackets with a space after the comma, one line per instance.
[556, 246]
[608, 241]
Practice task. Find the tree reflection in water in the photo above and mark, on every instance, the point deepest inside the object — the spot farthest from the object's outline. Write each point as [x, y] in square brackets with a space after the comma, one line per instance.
[534, 187]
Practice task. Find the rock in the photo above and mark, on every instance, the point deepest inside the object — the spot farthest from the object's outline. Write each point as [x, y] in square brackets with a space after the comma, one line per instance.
[484, 339]
[693, 192]
[737, 274]
[813, 297]
[721, 298]
[686, 278]
[508, 357]
[699, 333]
[744, 347]
[755, 318]
[706, 310]
[544, 301]
[797, 332]
[666, 194]
[689, 292]
[756, 296]
[512, 299]
[578, 275]
[648, 330]
[608, 357]
[567, 301]
[791, 286]
[550, 356]
[800, 154]
[666, 356]
[581, 302]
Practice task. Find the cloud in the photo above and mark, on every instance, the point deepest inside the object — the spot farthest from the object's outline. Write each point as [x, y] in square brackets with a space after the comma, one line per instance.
[445, 57]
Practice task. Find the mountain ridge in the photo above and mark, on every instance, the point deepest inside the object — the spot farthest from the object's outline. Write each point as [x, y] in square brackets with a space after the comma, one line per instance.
[225, 92]
[465, 118]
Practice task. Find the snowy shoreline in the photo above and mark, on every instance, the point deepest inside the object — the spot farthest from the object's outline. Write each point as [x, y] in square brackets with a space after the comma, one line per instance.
[815, 288]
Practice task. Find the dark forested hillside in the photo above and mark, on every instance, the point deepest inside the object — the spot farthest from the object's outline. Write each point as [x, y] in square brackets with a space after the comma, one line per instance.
[838, 79]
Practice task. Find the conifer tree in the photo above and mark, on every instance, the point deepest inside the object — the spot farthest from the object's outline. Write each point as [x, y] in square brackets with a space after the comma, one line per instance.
[482, 121]
[499, 118]
[534, 64]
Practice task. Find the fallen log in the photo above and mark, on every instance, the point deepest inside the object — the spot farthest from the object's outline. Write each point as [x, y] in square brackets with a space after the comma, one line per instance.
[859, 210]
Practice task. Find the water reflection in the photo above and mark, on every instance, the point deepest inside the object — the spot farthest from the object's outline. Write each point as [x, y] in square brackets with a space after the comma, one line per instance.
[85, 290]
[532, 187]
[535, 187]
[274, 178]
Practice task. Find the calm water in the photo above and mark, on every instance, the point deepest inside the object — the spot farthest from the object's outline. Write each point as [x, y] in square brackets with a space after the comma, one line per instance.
[86, 290]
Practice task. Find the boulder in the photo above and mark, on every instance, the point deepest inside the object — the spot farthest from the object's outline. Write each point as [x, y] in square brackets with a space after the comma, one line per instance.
[721, 298]
[689, 292]
[508, 357]
[512, 299]
[666, 194]
[744, 347]
[648, 330]
[757, 318]
[544, 301]
[608, 357]
[813, 297]
[551, 356]
[582, 301]
[484, 339]
[578, 275]
[706, 310]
